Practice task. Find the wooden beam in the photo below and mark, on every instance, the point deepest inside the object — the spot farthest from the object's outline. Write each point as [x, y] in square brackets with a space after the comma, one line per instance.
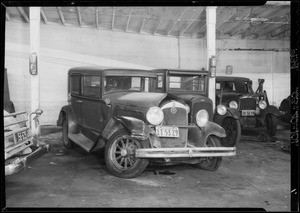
[161, 18]
[144, 19]
[175, 22]
[275, 33]
[113, 18]
[79, 16]
[44, 16]
[24, 15]
[7, 16]
[97, 17]
[191, 21]
[128, 20]
[231, 14]
[61, 15]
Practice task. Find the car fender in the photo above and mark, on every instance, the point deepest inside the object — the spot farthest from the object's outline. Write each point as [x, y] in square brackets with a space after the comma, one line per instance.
[269, 109]
[234, 113]
[198, 136]
[68, 111]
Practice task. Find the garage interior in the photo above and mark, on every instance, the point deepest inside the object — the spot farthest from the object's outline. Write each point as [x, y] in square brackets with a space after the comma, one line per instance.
[254, 40]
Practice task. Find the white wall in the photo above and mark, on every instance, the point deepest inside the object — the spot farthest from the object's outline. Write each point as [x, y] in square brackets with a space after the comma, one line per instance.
[64, 47]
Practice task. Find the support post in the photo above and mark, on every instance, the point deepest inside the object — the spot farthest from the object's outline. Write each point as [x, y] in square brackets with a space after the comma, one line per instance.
[211, 48]
[34, 16]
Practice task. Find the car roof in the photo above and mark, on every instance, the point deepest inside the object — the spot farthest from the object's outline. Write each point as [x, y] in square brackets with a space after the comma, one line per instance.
[231, 78]
[184, 71]
[111, 71]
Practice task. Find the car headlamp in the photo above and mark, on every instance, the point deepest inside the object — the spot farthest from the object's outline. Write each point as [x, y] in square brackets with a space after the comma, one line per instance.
[233, 104]
[221, 109]
[155, 115]
[262, 104]
[202, 118]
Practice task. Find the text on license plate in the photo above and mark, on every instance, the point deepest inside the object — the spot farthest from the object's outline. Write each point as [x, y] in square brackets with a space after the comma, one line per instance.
[21, 135]
[248, 113]
[167, 131]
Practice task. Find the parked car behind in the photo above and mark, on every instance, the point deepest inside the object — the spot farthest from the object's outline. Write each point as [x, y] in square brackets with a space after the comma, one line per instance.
[285, 110]
[237, 93]
[119, 110]
[192, 86]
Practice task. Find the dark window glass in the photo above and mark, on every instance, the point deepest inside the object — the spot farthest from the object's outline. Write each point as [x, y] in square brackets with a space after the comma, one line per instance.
[187, 83]
[74, 83]
[91, 86]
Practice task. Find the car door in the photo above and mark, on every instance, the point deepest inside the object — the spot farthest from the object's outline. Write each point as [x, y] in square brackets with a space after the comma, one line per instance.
[95, 112]
[75, 98]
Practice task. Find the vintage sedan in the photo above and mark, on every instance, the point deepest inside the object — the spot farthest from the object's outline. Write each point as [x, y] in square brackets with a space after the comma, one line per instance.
[120, 111]
[192, 86]
[237, 93]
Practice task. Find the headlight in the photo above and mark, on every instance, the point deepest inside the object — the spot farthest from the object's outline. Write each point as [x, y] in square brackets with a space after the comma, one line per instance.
[221, 109]
[233, 104]
[202, 118]
[262, 104]
[155, 115]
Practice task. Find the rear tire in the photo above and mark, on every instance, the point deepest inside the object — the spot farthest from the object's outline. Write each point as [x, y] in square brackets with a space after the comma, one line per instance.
[271, 124]
[120, 155]
[68, 144]
[211, 163]
[233, 132]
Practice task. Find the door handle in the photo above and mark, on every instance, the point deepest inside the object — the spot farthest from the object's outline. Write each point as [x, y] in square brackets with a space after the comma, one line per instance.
[79, 101]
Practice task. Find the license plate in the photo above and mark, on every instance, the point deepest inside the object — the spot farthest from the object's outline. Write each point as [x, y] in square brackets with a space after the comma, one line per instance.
[248, 112]
[21, 135]
[167, 131]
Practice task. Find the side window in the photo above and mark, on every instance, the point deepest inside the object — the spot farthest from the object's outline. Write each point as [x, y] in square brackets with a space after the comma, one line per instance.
[74, 84]
[91, 86]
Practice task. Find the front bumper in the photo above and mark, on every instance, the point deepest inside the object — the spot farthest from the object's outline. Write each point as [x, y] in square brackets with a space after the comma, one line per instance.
[20, 163]
[185, 152]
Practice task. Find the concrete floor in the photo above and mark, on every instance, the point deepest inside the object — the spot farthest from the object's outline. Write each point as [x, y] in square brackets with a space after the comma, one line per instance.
[258, 176]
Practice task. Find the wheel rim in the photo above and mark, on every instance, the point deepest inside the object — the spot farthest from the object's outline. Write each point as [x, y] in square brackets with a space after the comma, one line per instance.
[231, 132]
[268, 123]
[123, 153]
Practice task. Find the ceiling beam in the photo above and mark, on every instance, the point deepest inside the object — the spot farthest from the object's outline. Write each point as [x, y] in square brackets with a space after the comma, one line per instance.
[144, 19]
[44, 16]
[192, 20]
[175, 22]
[230, 15]
[79, 16]
[24, 15]
[278, 31]
[97, 17]
[7, 16]
[113, 18]
[128, 20]
[61, 15]
[161, 18]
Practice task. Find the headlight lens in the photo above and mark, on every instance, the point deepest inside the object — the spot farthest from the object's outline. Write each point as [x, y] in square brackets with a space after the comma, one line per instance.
[233, 104]
[202, 118]
[262, 104]
[221, 109]
[155, 115]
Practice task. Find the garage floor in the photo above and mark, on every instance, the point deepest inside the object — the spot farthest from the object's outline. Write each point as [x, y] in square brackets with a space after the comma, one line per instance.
[258, 176]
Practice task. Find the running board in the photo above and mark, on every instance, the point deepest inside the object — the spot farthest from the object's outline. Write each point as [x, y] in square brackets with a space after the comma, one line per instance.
[82, 141]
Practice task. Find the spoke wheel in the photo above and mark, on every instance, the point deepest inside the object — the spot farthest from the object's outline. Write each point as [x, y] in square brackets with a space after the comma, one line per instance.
[120, 155]
[233, 132]
[210, 163]
[271, 124]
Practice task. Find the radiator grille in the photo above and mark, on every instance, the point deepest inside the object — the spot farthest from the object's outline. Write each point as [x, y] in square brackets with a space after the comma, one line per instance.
[247, 104]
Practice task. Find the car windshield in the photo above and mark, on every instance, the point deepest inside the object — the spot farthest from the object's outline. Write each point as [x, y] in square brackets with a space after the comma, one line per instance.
[243, 87]
[187, 83]
[129, 83]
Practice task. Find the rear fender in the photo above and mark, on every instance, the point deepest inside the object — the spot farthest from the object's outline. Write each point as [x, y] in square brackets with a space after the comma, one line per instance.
[68, 111]
[234, 113]
[199, 136]
[269, 109]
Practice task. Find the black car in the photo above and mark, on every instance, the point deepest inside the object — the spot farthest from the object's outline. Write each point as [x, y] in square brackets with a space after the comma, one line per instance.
[192, 86]
[121, 111]
[254, 107]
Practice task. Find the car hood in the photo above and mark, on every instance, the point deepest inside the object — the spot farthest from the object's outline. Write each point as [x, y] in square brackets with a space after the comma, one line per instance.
[190, 97]
[138, 99]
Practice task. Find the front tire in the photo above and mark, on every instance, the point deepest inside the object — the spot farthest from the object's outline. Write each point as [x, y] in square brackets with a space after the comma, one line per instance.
[68, 144]
[271, 124]
[233, 132]
[120, 155]
[211, 163]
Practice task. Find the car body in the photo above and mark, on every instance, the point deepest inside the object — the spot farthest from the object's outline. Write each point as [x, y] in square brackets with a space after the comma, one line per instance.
[20, 147]
[8, 105]
[237, 92]
[118, 110]
[192, 86]
[285, 110]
